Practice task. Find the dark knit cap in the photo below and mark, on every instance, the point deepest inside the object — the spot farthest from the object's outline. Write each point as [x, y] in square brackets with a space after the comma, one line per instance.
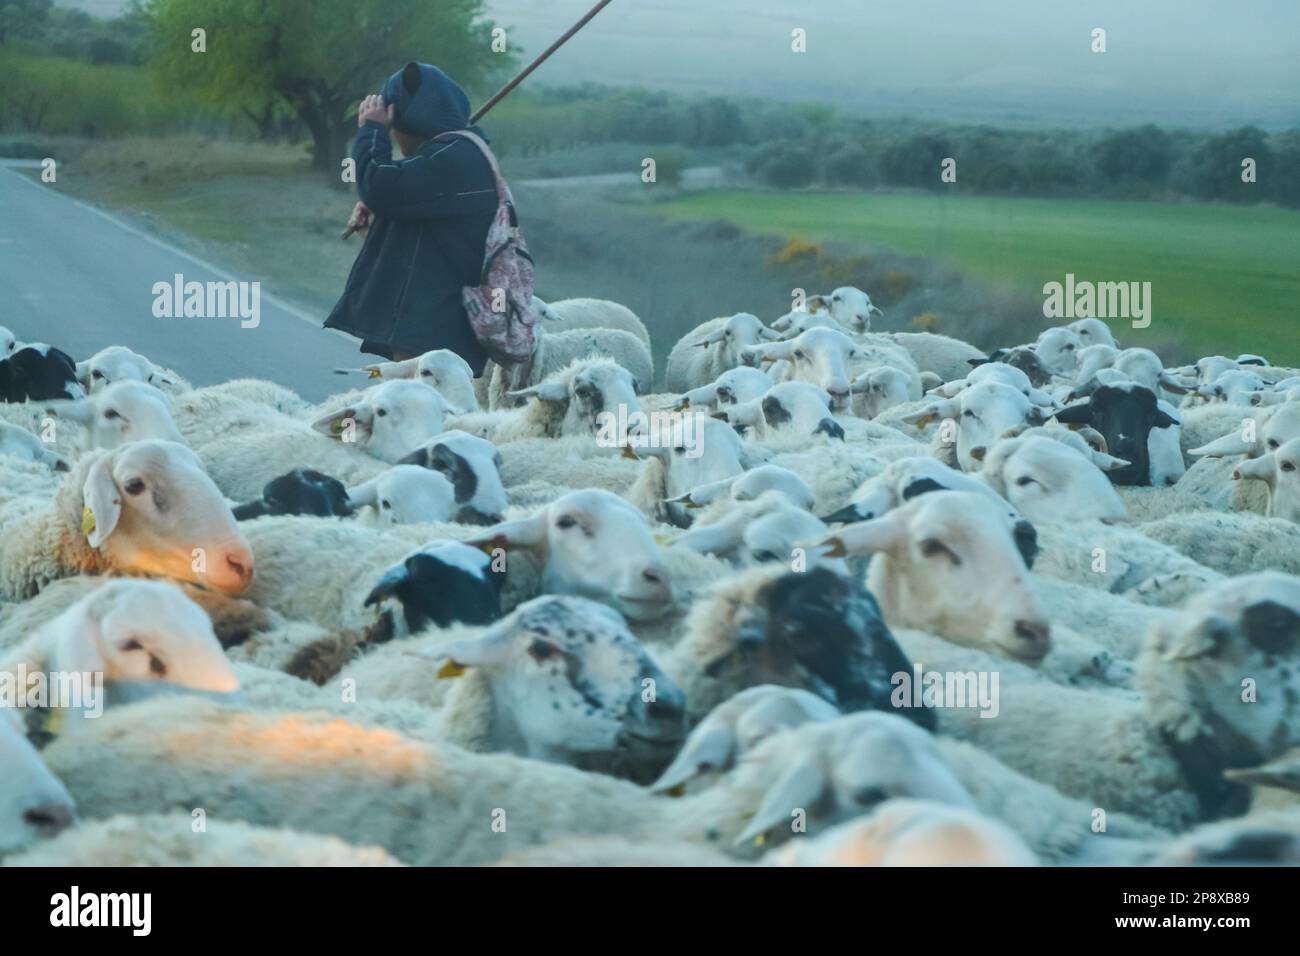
[426, 101]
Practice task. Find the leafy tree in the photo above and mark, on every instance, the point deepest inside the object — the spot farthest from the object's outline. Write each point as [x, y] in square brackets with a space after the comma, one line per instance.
[317, 57]
[1216, 166]
[1139, 155]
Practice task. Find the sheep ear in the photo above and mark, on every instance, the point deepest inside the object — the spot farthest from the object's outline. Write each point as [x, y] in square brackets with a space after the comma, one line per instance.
[487, 650]
[336, 426]
[80, 645]
[706, 494]
[387, 370]
[815, 302]
[83, 373]
[1035, 415]
[800, 788]
[366, 493]
[769, 335]
[1108, 462]
[1197, 642]
[929, 381]
[867, 537]
[713, 338]
[545, 392]
[103, 502]
[1171, 384]
[1262, 468]
[1283, 773]
[709, 749]
[1080, 414]
[716, 538]
[1231, 444]
[526, 534]
[80, 411]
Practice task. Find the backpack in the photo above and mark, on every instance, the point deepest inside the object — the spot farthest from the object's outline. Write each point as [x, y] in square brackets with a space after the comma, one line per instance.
[500, 308]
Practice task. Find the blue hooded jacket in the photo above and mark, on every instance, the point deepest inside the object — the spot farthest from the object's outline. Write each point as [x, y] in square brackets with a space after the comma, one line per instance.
[432, 213]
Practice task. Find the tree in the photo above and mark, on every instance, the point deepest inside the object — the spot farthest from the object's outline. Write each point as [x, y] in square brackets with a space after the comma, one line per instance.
[1140, 155]
[317, 57]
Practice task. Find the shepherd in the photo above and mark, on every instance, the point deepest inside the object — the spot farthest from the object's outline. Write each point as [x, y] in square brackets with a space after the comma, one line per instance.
[425, 218]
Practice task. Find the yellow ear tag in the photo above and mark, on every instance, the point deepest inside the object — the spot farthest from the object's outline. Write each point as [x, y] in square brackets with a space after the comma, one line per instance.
[450, 669]
[336, 427]
[629, 453]
[760, 840]
[677, 791]
[375, 373]
[87, 521]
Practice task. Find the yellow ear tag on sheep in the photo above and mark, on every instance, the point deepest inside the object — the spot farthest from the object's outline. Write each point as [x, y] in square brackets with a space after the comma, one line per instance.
[450, 669]
[760, 840]
[677, 791]
[629, 453]
[375, 373]
[336, 427]
[87, 521]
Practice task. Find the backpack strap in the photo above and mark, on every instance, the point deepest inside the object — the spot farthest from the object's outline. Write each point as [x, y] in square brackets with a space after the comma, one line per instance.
[503, 190]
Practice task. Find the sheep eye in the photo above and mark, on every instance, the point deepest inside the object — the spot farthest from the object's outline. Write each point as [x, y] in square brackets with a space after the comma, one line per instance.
[1272, 443]
[385, 504]
[110, 413]
[426, 374]
[764, 556]
[381, 412]
[96, 374]
[156, 666]
[799, 354]
[835, 298]
[135, 486]
[869, 797]
[1069, 348]
[543, 651]
[1024, 480]
[566, 522]
[968, 413]
[933, 548]
[130, 644]
[1288, 466]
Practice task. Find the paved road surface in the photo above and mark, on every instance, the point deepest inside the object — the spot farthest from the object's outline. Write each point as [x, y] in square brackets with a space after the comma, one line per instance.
[80, 279]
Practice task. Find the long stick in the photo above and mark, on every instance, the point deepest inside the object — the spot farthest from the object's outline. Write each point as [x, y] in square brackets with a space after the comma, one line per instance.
[502, 93]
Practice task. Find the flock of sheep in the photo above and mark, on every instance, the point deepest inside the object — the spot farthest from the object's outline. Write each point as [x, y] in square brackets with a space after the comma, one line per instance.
[832, 597]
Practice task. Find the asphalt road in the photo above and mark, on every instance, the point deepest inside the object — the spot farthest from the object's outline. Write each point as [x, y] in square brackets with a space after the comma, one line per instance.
[80, 279]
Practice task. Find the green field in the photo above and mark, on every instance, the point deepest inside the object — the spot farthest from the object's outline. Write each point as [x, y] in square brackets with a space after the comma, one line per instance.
[1223, 278]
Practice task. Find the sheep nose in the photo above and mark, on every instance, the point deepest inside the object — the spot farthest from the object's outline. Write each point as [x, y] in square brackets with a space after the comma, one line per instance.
[50, 818]
[241, 566]
[978, 452]
[1036, 635]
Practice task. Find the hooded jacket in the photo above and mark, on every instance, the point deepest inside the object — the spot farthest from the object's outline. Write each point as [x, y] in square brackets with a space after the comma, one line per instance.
[432, 213]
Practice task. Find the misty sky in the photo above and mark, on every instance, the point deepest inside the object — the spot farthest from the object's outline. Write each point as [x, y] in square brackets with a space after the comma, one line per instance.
[1179, 62]
[1196, 62]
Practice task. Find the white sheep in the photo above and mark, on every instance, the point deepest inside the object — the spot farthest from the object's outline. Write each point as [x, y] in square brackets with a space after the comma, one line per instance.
[406, 494]
[441, 369]
[556, 351]
[1279, 471]
[122, 412]
[711, 348]
[140, 638]
[1093, 332]
[730, 388]
[566, 314]
[685, 452]
[1048, 480]
[170, 839]
[19, 443]
[147, 507]
[119, 364]
[33, 803]
[948, 563]
[946, 357]
[764, 530]
[1230, 543]
[909, 832]
[1160, 756]
[437, 804]
[981, 414]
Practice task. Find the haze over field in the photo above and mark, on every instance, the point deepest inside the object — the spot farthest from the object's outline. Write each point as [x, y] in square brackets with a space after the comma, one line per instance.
[1177, 62]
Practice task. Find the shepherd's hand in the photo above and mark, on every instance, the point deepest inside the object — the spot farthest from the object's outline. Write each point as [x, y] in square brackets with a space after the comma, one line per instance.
[361, 218]
[373, 108]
